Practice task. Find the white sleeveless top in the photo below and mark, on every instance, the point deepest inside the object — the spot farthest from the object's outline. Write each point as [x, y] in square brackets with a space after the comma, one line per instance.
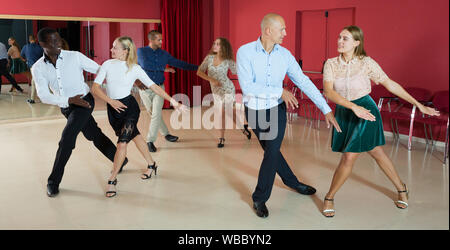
[119, 81]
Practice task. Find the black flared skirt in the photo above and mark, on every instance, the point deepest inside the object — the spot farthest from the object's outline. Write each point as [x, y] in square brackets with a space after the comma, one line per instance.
[125, 122]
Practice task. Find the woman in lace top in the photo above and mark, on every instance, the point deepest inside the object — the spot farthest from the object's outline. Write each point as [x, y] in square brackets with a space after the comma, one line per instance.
[347, 83]
[216, 64]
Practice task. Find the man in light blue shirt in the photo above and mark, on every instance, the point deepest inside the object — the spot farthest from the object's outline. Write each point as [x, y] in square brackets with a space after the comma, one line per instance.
[262, 66]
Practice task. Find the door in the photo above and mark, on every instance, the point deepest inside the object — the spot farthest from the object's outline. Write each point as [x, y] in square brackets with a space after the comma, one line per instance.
[336, 21]
[316, 35]
[313, 40]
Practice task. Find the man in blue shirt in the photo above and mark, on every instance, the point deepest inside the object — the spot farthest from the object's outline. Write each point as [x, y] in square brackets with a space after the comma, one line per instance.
[32, 52]
[154, 61]
[262, 66]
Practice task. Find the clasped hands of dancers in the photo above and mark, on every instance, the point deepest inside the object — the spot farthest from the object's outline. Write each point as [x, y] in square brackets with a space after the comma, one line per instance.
[261, 67]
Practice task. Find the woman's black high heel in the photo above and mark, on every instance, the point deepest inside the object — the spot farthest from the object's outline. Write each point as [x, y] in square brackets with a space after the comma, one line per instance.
[246, 132]
[221, 143]
[114, 182]
[148, 176]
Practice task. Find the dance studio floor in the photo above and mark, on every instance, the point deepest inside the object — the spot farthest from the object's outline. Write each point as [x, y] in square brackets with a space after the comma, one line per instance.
[199, 186]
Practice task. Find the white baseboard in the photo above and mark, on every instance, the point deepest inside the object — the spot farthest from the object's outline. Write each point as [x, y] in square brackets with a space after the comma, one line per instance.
[415, 139]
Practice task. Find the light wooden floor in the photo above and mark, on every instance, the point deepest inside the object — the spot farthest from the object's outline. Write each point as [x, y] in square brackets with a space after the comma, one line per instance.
[199, 186]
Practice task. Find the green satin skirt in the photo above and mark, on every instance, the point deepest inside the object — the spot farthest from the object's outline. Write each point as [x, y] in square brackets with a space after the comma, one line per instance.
[18, 66]
[358, 135]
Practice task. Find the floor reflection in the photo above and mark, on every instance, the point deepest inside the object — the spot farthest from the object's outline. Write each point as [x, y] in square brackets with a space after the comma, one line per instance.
[215, 185]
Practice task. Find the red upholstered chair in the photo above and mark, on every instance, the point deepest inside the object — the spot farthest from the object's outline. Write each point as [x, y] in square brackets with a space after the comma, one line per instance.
[406, 111]
[289, 85]
[308, 104]
[381, 95]
[319, 84]
[304, 103]
[440, 102]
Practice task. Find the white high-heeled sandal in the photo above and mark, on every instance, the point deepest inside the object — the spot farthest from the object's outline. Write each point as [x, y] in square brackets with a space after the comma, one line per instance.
[400, 201]
[328, 210]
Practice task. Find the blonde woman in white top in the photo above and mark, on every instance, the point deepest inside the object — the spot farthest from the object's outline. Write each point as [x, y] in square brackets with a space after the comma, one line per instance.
[120, 74]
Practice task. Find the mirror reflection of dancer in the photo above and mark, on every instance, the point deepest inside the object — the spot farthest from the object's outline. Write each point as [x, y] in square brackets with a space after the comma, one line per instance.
[262, 66]
[17, 64]
[217, 63]
[31, 53]
[123, 111]
[347, 83]
[4, 69]
[61, 72]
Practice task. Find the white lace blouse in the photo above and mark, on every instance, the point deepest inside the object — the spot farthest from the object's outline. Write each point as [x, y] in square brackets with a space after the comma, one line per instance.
[352, 80]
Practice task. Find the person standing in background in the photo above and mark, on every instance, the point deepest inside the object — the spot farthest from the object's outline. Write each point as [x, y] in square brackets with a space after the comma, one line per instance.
[154, 61]
[31, 53]
[217, 63]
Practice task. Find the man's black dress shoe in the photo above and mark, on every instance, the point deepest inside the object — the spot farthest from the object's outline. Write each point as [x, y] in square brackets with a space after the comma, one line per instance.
[261, 209]
[305, 189]
[52, 190]
[123, 164]
[171, 138]
[151, 147]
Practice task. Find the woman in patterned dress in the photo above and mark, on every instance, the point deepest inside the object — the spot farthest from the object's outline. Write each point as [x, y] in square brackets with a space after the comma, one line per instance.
[347, 83]
[217, 63]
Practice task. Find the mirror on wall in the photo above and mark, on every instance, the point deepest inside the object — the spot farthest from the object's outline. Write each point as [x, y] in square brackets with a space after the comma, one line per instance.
[92, 38]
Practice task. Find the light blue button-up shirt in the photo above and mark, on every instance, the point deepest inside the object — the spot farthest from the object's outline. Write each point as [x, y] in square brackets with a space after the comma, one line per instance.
[261, 76]
[3, 52]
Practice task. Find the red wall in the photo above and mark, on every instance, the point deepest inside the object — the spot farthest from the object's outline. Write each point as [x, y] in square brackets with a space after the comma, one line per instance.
[221, 22]
[135, 31]
[106, 32]
[101, 45]
[409, 39]
[145, 9]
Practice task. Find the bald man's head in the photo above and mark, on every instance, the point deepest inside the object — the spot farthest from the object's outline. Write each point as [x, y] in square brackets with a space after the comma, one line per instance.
[273, 27]
[269, 20]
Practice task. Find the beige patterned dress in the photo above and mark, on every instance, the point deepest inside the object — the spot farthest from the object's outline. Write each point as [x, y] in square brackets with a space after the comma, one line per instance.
[226, 92]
